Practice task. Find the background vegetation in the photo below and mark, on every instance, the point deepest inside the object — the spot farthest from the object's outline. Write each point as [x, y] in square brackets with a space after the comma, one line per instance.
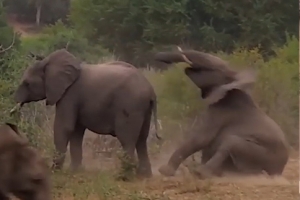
[260, 34]
[134, 29]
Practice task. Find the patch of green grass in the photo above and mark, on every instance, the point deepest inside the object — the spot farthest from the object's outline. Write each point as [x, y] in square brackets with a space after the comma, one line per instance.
[128, 167]
[82, 185]
[92, 185]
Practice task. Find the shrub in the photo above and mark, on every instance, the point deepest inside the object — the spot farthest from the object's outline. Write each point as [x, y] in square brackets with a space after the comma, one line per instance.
[59, 36]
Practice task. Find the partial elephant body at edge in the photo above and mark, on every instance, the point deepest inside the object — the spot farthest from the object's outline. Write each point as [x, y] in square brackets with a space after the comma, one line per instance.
[23, 172]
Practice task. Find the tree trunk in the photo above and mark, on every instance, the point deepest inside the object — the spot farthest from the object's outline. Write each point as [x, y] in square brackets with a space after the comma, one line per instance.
[38, 15]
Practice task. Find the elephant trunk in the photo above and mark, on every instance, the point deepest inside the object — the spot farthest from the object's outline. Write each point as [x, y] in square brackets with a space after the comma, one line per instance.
[21, 94]
[168, 57]
[195, 59]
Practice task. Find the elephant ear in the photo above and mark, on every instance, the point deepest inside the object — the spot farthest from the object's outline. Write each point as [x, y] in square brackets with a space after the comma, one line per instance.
[242, 81]
[61, 70]
[10, 137]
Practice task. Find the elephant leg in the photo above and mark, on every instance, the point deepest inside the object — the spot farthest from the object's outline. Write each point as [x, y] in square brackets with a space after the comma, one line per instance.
[76, 147]
[127, 131]
[250, 157]
[202, 138]
[144, 168]
[206, 155]
[63, 129]
[240, 154]
[188, 148]
[213, 166]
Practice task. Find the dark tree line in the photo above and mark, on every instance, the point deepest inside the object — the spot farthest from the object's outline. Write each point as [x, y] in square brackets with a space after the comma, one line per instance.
[134, 29]
[38, 11]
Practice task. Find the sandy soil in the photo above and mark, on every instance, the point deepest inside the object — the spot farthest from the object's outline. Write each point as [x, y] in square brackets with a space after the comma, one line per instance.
[185, 187]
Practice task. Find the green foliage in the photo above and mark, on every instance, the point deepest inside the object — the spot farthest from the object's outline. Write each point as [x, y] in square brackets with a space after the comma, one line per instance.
[7, 62]
[128, 168]
[51, 10]
[59, 36]
[84, 185]
[12, 63]
[133, 29]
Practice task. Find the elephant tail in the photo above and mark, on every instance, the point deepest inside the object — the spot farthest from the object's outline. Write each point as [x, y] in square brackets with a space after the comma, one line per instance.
[154, 110]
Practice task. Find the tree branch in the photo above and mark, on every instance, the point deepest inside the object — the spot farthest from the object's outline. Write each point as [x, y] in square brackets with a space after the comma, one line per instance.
[2, 50]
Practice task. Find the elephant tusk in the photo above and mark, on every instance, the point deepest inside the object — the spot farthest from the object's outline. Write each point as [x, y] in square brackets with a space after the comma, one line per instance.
[183, 56]
[16, 108]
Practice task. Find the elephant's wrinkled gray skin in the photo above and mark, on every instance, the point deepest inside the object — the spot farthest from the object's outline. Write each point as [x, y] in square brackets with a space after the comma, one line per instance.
[236, 135]
[23, 172]
[112, 99]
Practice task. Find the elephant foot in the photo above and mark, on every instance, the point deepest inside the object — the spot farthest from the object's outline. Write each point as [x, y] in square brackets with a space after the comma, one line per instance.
[76, 167]
[167, 170]
[144, 173]
[144, 176]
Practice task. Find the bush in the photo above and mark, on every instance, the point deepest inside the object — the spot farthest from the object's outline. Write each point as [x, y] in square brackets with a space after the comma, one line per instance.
[135, 28]
[26, 10]
[59, 36]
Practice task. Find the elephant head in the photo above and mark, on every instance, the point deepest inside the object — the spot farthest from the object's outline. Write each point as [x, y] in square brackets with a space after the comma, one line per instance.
[210, 73]
[23, 171]
[48, 78]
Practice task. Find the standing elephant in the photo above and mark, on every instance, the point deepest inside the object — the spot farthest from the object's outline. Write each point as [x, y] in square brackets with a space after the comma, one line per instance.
[113, 98]
[23, 172]
[236, 135]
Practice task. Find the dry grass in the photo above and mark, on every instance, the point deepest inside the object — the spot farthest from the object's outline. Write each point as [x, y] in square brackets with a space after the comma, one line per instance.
[100, 184]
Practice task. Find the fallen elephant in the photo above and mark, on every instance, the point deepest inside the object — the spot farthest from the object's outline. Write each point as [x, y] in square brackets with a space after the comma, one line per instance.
[236, 135]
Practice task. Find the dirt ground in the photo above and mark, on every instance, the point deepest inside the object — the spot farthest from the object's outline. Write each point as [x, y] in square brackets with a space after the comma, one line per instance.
[101, 184]
[285, 187]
